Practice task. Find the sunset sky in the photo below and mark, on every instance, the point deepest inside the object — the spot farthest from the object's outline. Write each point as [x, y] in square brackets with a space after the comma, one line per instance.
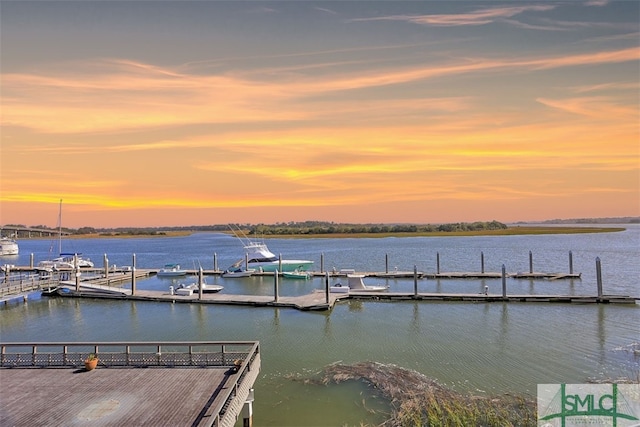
[167, 113]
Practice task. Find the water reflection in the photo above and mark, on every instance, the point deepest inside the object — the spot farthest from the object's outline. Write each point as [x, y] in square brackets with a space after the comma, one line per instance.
[355, 305]
[415, 320]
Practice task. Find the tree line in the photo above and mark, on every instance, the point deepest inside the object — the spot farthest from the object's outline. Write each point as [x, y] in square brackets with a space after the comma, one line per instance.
[291, 228]
[319, 227]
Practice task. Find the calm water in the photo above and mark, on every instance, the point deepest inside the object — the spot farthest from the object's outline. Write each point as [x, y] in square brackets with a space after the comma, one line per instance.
[472, 347]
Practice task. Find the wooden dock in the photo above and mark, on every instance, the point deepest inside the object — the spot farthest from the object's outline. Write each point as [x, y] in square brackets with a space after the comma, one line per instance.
[316, 300]
[102, 286]
[155, 383]
[322, 300]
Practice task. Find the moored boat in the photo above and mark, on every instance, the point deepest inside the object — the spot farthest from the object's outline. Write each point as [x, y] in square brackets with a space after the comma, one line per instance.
[355, 283]
[206, 288]
[67, 260]
[295, 274]
[262, 259]
[237, 270]
[171, 270]
[8, 246]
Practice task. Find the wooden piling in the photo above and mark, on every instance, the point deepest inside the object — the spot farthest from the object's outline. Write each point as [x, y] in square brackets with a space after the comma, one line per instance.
[504, 281]
[76, 271]
[105, 263]
[599, 276]
[482, 262]
[530, 262]
[200, 283]
[326, 288]
[438, 262]
[570, 262]
[322, 262]
[275, 286]
[133, 274]
[386, 263]
[215, 261]
[247, 410]
[415, 280]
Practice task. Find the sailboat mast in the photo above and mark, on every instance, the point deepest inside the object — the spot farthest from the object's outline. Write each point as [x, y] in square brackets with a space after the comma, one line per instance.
[60, 228]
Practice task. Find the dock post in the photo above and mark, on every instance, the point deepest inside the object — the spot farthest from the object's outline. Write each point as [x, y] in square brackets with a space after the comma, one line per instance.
[530, 262]
[438, 262]
[415, 280]
[200, 282]
[326, 287]
[31, 260]
[76, 271]
[133, 274]
[279, 263]
[482, 262]
[215, 261]
[105, 262]
[386, 263]
[570, 262]
[246, 260]
[504, 281]
[322, 262]
[275, 285]
[599, 276]
[247, 410]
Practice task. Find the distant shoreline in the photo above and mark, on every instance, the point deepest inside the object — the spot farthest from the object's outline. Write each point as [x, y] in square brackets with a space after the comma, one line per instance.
[513, 230]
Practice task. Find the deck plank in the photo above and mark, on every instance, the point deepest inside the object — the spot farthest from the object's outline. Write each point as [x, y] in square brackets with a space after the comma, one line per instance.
[107, 396]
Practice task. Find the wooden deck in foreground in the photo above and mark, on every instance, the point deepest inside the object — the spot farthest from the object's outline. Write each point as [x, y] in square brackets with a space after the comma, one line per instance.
[166, 394]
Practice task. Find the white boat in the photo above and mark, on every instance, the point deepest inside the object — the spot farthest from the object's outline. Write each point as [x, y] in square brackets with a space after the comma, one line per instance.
[260, 258]
[206, 288]
[355, 283]
[237, 270]
[171, 270]
[8, 246]
[65, 260]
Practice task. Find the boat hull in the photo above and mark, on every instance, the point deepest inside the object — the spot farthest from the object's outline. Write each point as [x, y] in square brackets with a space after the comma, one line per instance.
[286, 265]
[171, 273]
[244, 273]
[296, 275]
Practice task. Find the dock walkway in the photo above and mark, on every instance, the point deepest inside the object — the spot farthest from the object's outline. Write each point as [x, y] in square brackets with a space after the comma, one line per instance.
[321, 300]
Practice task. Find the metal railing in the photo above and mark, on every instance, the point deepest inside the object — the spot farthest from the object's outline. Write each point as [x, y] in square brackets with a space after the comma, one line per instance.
[26, 284]
[128, 354]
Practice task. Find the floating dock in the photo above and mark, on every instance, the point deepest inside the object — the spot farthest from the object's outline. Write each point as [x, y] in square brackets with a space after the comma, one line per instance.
[99, 283]
[322, 300]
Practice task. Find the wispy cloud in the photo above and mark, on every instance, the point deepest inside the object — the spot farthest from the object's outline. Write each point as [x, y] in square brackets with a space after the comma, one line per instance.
[600, 107]
[137, 95]
[477, 17]
[597, 3]
[325, 10]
